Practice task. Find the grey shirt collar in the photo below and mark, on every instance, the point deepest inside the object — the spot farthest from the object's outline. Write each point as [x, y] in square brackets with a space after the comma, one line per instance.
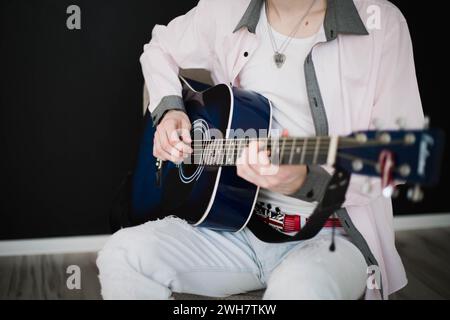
[341, 17]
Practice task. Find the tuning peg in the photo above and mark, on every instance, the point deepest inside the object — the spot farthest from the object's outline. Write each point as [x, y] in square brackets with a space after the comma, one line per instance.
[426, 123]
[361, 137]
[385, 138]
[357, 165]
[401, 123]
[415, 194]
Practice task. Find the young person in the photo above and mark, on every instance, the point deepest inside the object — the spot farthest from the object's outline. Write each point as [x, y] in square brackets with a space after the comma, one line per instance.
[330, 67]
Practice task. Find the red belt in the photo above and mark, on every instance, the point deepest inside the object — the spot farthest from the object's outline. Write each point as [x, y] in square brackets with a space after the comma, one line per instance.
[294, 223]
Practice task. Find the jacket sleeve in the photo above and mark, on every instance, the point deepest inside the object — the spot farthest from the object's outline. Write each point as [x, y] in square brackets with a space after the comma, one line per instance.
[186, 42]
[396, 97]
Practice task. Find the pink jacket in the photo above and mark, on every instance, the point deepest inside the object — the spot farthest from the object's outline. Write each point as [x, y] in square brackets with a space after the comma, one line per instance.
[362, 75]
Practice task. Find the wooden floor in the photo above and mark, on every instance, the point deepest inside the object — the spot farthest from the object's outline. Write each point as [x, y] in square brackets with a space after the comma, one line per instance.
[426, 256]
[425, 253]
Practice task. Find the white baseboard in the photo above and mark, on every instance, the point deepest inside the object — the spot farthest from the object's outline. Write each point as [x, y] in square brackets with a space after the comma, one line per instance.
[422, 221]
[52, 245]
[95, 243]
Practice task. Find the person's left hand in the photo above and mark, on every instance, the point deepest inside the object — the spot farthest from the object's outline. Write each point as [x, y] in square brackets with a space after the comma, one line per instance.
[254, 166]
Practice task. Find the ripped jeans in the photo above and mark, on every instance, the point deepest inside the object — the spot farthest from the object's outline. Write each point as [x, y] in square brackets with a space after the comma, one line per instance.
[157, 258]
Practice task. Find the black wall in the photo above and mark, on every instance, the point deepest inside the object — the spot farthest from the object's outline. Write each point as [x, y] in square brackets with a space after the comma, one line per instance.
[428, 27]
[71, 103]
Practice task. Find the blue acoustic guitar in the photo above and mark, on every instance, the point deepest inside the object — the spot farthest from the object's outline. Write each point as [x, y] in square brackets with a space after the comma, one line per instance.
[205, 189]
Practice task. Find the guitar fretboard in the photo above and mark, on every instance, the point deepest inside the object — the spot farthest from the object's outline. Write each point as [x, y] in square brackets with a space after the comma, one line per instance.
[283, 150]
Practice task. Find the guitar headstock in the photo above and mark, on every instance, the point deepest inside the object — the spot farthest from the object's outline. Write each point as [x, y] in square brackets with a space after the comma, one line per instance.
[410, 156]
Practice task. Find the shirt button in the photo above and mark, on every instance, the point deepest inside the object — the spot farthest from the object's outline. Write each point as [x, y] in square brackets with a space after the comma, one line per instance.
[246, 54]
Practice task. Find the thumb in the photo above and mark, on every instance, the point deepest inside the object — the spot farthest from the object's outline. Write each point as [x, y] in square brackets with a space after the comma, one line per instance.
[186, 130]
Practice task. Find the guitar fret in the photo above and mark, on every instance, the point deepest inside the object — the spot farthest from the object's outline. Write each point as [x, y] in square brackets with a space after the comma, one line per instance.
[211, 152]
[220, 153]
[282, 151]
[238, 151]
[316, 151]
[208, 146]
[197, 154]
[224, 153]
[302, 158]
[202, 154]
[228, 152]
[234, 151]
[292, 151]
[323, 157]
[217, 152]
[275, 151]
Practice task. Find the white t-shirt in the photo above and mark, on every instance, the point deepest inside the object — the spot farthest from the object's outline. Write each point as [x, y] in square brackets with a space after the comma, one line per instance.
[285, 87]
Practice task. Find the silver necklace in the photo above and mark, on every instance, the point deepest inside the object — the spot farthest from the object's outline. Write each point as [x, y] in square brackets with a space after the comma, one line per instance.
[279, 57]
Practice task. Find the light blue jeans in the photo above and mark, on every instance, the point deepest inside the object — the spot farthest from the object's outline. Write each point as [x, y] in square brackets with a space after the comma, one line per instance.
[157, 258]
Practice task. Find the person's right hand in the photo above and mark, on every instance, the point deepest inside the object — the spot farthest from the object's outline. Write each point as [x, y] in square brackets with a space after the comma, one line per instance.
[172, 137]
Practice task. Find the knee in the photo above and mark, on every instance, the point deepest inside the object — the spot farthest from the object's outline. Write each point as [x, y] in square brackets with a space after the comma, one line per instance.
[119, 252]
[131, 265]
[136, 249]
[313, 272]
[292, 281]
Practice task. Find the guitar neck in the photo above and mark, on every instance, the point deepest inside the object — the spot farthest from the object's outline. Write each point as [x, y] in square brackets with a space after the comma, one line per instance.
[283, 150]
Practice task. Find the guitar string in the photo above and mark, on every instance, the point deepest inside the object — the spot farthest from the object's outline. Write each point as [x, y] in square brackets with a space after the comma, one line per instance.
[350, 157]
[212, 160]
[286, 150]
[265, 140]
[278, 138]
[290, 143]
[224, 159]
[309, 148]
[344, 155]
[213, 151]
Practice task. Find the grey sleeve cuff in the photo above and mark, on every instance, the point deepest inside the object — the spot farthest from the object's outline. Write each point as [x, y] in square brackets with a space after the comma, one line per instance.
[167, 103]
[313, 189]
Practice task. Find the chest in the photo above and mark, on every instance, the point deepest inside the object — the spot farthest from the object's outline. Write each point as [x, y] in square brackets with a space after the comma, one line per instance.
[277, 62]
[344, 73]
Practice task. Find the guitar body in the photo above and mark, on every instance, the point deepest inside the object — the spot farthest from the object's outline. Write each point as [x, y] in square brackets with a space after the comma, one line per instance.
[206, 196]
[205, 189]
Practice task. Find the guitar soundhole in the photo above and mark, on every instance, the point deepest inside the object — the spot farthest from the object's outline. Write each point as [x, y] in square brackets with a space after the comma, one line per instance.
[176, 192]
[189, 169]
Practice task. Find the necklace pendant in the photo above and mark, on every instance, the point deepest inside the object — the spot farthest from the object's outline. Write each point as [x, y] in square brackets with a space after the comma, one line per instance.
[279, 59]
